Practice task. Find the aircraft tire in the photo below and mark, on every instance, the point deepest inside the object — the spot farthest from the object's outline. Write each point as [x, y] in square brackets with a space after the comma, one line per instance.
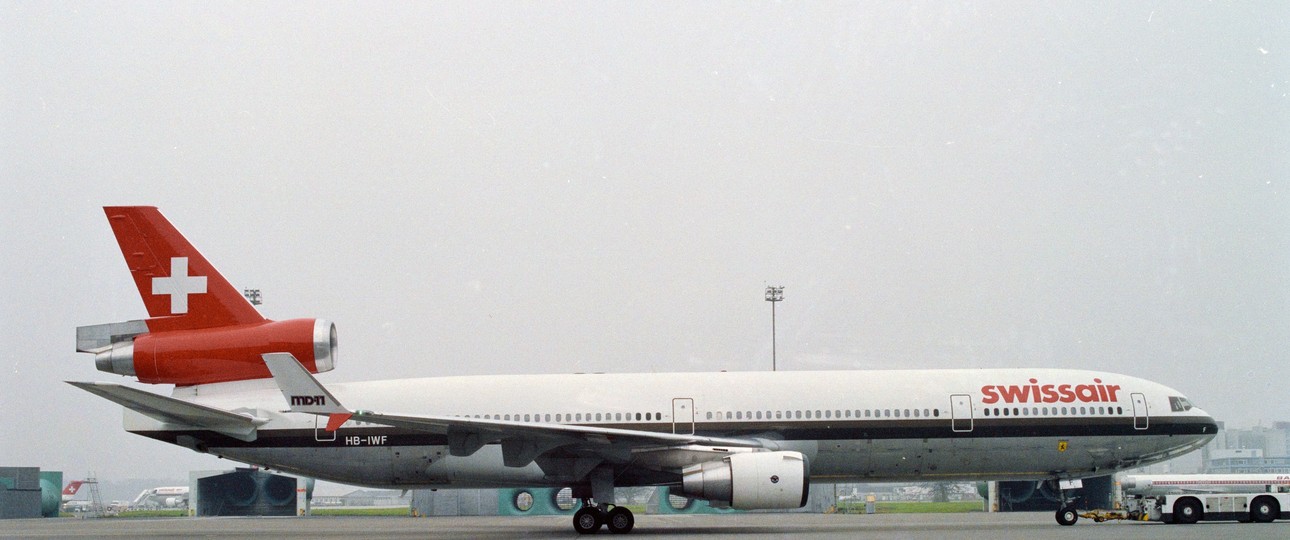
[1067, 516]
[620, 520]
[588, 520]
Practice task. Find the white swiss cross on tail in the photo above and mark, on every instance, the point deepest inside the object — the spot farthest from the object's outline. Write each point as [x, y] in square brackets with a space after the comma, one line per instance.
[179, 285]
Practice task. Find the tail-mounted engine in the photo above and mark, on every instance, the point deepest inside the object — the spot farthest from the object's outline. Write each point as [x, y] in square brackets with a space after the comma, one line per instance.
[750, 481]
[207, 355]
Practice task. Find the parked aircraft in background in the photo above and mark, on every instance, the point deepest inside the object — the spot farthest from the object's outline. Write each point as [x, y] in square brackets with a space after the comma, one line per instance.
[72, 488]
[244, 389]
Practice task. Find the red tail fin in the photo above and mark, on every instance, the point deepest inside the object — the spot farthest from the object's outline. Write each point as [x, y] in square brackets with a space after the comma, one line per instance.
[72, 488]
[201, 329]
[179, 287]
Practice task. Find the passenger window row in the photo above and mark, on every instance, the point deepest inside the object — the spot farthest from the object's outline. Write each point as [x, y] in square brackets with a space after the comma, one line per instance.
[1053, 411]
[823, 414]
[799, 414]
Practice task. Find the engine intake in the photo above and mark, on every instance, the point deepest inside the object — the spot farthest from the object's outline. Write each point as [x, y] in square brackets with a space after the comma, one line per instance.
[750, 481]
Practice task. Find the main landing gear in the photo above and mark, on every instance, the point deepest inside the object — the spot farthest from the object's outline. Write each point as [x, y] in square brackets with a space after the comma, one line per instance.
[588, 520]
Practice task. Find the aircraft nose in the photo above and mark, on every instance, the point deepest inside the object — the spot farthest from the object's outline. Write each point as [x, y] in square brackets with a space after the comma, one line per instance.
[1210, 425]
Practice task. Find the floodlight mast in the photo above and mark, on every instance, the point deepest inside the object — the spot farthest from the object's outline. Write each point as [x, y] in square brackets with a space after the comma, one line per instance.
[773, 295]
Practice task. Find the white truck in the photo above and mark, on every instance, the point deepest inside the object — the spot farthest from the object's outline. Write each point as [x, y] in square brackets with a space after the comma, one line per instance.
[1188, 498]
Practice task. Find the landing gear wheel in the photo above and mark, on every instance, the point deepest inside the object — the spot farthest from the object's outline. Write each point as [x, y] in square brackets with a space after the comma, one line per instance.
[588, 520]
[1067, 516]
[1187, 511]
[1264, 510]
[620, 520]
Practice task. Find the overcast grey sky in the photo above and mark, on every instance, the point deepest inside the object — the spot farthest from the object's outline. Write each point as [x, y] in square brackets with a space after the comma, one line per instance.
[608, 186]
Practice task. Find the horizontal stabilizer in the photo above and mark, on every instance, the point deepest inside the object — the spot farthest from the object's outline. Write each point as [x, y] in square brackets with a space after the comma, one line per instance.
[101, 337]
[176, 411]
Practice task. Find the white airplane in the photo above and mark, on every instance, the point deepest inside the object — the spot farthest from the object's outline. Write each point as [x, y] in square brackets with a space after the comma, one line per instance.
[245, 390]
[164, 497]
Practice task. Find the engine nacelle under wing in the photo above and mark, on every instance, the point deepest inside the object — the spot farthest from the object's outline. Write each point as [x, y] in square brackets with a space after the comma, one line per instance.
[750, 481]
[229, 353]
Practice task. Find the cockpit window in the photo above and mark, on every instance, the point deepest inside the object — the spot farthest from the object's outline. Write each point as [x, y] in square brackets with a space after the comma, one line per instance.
[1179, 404]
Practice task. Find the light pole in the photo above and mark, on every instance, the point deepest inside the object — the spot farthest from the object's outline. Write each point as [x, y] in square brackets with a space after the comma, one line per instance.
[773, 295]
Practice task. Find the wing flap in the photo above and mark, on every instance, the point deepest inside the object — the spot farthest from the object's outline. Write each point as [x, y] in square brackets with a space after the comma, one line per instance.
[175, 411]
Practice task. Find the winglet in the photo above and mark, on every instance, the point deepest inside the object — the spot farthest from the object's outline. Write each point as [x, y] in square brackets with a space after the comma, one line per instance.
[303, 392]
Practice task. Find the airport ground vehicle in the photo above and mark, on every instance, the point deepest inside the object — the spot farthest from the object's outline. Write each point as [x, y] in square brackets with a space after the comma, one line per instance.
[1186, 499]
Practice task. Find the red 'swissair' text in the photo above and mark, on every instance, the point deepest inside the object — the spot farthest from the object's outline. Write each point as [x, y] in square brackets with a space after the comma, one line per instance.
[1050, 393]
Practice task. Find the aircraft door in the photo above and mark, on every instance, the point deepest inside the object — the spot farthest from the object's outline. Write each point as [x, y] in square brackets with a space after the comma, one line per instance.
[1140, 418]
[961, 413]
[320, 430]
[683, 416]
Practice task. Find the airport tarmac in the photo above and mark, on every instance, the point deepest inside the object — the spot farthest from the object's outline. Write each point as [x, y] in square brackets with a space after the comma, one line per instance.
[1027, 526]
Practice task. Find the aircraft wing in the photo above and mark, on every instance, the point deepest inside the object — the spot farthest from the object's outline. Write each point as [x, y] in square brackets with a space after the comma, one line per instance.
[176, 411]
[522, 442]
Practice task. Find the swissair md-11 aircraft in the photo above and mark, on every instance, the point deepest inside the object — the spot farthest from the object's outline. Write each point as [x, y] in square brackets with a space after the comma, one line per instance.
[244, 389]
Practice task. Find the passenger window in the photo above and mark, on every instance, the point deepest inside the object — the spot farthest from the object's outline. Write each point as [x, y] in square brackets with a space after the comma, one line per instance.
[828, 414]
[799, 414]
[759, 415]
[779, 415]
[886, 413]
[936, 413]
[866, 413]
[817, 414]
[906, 413]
